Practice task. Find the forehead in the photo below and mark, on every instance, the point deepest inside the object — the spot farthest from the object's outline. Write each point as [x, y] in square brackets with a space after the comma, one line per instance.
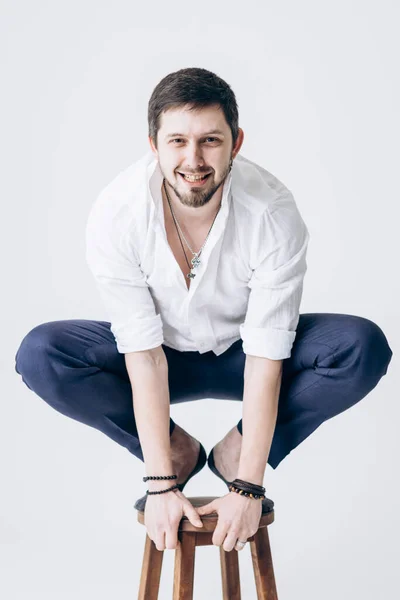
[194, 122]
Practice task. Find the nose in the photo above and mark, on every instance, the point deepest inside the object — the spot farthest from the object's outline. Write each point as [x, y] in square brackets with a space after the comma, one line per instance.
[193, 158]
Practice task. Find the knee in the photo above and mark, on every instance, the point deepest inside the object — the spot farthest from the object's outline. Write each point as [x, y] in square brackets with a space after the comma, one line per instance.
[374, 352]
[33, 346]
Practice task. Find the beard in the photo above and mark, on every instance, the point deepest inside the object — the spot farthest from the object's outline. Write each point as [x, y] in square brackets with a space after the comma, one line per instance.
[197, 197]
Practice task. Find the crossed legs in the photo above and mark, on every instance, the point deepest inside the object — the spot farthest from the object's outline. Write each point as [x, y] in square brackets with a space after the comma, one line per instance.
[74, 366]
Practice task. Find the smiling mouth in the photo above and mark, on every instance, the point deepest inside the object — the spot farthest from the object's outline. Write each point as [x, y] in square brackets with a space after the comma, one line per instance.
[196, 180]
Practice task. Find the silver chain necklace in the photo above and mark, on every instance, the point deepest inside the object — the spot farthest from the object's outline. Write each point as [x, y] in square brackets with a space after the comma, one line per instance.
[195, 260]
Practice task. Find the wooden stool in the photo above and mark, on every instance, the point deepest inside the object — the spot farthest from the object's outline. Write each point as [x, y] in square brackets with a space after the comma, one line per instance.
[188, 538]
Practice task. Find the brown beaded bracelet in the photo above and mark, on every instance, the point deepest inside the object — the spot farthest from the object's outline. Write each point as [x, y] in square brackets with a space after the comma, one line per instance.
[174, 487]
[247, 493]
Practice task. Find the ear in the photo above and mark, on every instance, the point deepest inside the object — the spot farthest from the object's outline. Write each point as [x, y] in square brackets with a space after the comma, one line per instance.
[153, 147]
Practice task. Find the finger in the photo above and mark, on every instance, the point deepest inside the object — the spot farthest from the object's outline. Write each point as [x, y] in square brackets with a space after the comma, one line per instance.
[206, 509]
[239, 547]
[230, 540]
[171, 538]
[220, 533]
[242, 536]
[192, 515]
[160, 540]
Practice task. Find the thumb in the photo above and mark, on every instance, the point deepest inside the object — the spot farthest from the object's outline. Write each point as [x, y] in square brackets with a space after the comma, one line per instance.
[193, 516]
[206, 509]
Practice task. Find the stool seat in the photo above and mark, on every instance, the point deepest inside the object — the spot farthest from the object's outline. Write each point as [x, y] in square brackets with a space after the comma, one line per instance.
[190, 536]
[267, 505]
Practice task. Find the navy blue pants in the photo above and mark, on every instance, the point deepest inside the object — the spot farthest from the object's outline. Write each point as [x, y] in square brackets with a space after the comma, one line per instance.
[74, 365]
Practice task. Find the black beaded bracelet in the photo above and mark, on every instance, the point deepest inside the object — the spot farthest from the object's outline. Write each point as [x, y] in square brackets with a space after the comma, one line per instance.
[160, 477]
[174, 487]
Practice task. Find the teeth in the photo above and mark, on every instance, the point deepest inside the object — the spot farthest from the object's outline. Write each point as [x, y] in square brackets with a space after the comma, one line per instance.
[191, 178]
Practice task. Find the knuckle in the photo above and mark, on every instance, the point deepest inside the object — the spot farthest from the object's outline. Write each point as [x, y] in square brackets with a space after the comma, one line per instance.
[225, 522]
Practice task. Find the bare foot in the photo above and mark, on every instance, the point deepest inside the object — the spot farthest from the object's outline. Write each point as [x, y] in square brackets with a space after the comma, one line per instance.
[184, 453]
[227, 454]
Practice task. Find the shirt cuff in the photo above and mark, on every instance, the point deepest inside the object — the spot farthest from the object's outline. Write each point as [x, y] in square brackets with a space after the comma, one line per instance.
[141, 334]
[275, 344]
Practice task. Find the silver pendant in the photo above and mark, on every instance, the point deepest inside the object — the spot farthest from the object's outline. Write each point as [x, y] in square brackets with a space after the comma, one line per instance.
[191, 275]
[195, 261]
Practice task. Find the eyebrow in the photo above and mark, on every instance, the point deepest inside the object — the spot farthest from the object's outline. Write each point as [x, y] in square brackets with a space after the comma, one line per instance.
[218, 131]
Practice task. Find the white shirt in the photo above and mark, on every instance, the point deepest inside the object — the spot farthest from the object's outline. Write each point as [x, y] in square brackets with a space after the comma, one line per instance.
[248, 285]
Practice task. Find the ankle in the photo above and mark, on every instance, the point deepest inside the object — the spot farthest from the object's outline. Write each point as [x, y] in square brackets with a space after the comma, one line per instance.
[227, 454]
[232, 438]
[184, 452]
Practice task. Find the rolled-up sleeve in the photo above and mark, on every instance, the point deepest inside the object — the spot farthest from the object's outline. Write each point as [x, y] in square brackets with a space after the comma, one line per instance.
[114, 263]
[276, 283]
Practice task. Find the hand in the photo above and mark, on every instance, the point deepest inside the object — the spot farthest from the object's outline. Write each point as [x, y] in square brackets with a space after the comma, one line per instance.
[162, 515]
[238, 519]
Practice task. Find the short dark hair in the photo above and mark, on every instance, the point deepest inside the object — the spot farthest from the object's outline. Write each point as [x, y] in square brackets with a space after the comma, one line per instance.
[196, 88]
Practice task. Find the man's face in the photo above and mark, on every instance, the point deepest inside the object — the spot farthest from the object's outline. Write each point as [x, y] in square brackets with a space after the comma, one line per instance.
[196, 142]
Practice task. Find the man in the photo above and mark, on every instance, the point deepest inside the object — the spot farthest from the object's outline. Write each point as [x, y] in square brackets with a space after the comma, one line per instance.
[199, 255]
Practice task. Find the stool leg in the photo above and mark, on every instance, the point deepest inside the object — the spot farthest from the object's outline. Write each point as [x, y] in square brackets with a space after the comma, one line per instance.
[230, 574]
[184, 566]
[151, 571]
[262, 565]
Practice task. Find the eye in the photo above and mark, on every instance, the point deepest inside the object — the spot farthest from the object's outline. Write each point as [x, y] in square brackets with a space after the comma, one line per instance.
[179, 140]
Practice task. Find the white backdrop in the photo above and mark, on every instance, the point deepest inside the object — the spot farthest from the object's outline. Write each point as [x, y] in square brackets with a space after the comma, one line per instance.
[318, 92]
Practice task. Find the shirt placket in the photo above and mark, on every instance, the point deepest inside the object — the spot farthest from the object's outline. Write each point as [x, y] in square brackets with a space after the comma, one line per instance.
[198, 316]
